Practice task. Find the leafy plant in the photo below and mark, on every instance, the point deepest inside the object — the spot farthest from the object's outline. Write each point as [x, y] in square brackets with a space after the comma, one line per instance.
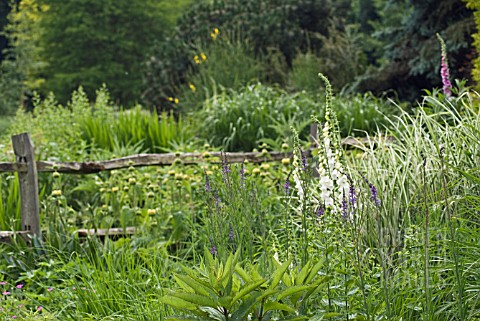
[230, 292]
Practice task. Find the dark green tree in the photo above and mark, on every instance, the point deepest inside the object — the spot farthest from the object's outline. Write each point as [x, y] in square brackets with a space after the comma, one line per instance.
[285, 26]
[4, 11]
[91, 42]
[411, 59]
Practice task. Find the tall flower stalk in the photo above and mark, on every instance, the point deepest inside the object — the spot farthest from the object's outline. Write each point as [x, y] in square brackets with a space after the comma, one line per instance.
[444, 71]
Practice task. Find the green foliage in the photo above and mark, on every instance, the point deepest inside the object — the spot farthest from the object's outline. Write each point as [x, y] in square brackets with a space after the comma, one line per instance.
[227, 63]
[148, 132]
[229, 291]
[20, 72]
[268, 27]
[115, 30]
[4, 11]
[10, 215]
[475, 6]
[238, 120]
[304, 75]
[405, 23]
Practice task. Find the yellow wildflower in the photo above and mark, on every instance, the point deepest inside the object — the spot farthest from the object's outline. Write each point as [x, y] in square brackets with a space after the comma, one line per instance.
[57, 192]
[192, 87]
[215, 33]
[151, 211]
[204, 58]
[265, 166]
[197, 60]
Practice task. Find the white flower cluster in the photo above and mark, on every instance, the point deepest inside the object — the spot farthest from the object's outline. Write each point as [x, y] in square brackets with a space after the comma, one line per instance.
[333, 186]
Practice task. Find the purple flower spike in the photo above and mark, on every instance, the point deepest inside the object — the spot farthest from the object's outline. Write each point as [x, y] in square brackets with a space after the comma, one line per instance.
[344, 208]
[286, 186]
[352, 195]
[213, 250]
[445, 73]
[208, 188]
[320, 211]
[242, 175]
[374, 195]
[226, 169]
[231, 235]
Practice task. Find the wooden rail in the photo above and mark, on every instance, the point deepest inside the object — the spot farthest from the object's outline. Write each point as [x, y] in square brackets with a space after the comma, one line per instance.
[27, 169]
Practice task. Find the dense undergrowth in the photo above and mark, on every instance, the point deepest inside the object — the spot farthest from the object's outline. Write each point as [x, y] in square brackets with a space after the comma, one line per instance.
[388, 231]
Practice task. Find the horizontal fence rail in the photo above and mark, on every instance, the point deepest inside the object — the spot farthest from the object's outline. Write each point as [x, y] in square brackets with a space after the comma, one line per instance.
[27, 169]
[141, 160]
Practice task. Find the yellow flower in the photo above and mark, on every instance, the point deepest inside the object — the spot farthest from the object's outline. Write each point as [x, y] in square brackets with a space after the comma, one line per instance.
[256, 171]
[57, 192]
[265, 166]
[197, 60]
[204, 58]
[173, 100]
[151, 211]
[286, 161]
[215, 33]
[192, 87]
[114, 189]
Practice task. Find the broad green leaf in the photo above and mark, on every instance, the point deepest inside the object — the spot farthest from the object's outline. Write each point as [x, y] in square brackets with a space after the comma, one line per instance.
[183, 284]
[210, 265]
[318, 285]
[196, 274]
[314, 271]
[225, 301]
[268, 293]
[178, 303]
[278, 274]
[303, 274]
[229, 269]
[247, 289]
[241, 313]
[197, 287]
[194, 298]
[243, 274]
[293, 290]
[277, 306]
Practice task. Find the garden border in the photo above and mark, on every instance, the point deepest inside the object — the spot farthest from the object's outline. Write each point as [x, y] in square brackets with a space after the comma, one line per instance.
[27, 169]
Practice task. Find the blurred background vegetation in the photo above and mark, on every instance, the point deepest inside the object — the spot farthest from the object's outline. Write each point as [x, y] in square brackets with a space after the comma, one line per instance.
[181, 55]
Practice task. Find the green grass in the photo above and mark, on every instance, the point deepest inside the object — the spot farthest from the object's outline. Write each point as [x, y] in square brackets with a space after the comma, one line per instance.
[5, 123]
[411, 256]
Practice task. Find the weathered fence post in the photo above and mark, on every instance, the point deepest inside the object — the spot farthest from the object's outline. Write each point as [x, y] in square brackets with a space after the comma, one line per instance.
[29, 198]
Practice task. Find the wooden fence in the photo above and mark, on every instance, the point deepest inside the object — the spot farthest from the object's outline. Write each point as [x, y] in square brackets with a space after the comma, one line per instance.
[27, 169]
